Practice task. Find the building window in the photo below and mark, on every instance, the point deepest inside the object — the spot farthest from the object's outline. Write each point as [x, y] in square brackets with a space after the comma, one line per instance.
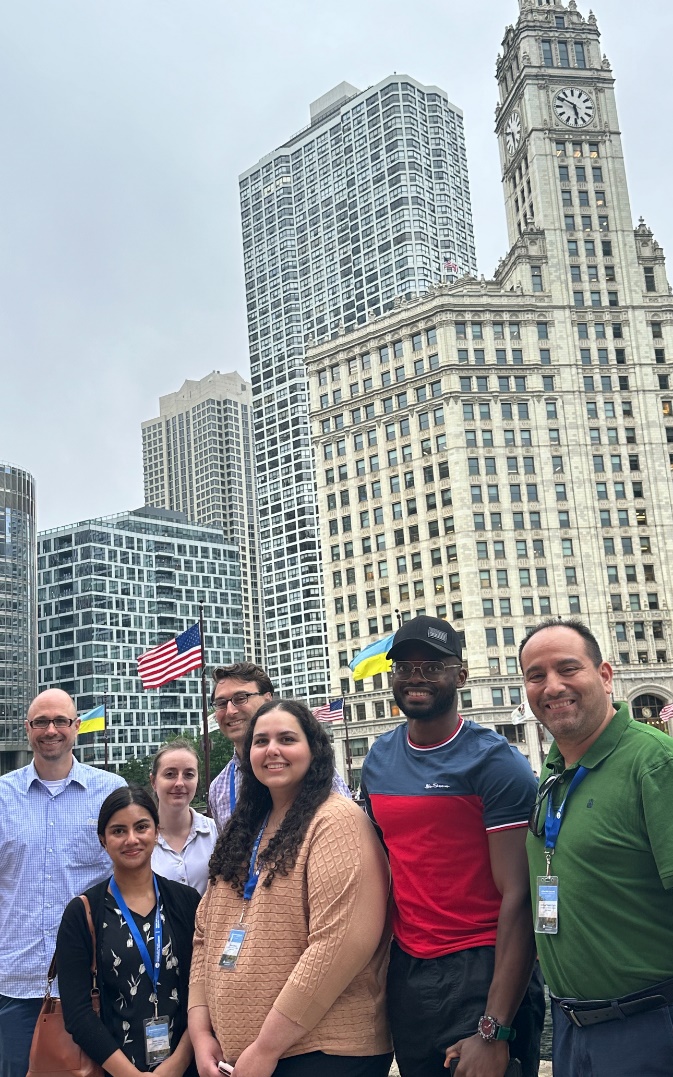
[536, 275]
[547, 55]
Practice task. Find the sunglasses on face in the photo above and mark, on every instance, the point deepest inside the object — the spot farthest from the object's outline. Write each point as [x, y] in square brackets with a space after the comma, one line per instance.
[430, 671]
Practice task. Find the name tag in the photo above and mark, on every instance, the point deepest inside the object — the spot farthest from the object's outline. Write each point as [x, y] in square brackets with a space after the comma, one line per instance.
[233, 948]
[157, 1041]
[546, 920]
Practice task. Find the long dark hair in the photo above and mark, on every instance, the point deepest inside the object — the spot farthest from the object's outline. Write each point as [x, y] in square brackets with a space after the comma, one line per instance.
[122, 798]
[231, 856]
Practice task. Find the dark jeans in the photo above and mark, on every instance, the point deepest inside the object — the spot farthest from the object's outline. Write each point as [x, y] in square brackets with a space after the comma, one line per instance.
[637, 1046]
[318, 1064]
[434, 1002]
[18, 1017]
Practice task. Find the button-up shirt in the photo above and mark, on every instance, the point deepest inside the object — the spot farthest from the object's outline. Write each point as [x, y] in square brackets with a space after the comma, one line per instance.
[49, 853]
[190, 865]
[219, 794]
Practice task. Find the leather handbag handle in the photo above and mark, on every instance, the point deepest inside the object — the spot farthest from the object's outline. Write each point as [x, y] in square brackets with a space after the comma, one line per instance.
[51, 975]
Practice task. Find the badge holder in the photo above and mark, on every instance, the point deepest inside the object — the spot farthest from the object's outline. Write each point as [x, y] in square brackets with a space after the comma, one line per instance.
[233, 947]
[546, 920]
[157, 1038]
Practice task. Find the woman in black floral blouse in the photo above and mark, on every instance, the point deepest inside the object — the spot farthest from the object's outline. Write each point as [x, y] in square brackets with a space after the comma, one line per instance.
[144, 926]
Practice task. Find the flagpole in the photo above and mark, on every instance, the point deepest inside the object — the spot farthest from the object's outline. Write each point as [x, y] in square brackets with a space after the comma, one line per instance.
[349, 771]
[204, 707]
[105, 733]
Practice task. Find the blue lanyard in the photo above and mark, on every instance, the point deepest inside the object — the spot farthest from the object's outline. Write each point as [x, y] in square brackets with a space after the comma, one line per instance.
[152, 969]
[253, 872]
[554, 818]
[232, 787]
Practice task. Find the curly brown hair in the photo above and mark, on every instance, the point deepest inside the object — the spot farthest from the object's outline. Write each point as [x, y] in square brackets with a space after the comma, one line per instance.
[231, 855]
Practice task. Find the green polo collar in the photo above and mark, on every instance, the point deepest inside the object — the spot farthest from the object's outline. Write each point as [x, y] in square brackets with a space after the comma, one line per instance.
[600, 749]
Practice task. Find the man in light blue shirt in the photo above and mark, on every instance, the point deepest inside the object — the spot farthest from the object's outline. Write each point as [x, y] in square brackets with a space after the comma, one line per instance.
[49, 852]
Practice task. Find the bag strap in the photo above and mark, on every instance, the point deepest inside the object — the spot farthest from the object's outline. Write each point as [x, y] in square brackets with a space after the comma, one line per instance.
[51, 974]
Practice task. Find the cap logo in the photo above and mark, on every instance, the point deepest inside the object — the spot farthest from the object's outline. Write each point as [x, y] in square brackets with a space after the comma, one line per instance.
[434, 633]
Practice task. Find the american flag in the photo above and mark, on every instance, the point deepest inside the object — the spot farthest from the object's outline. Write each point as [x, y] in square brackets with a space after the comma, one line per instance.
[330, 712]
[666, 713]
[450, 266]
[171, 660]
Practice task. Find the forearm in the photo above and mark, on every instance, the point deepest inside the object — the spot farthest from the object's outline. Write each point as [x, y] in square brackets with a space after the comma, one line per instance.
[514, 957]
[207, 1050]
[278, 1034]
[183, 1053]
[118, 1065]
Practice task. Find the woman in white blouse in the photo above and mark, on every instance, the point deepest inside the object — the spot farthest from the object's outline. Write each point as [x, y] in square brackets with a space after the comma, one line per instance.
[186, 838]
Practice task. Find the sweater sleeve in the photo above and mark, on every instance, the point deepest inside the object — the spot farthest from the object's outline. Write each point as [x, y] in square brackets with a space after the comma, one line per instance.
[197, 975]
[347, 889]
[73, 962]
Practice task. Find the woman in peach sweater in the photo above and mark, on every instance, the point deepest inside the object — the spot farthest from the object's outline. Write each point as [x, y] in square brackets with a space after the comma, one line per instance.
[291, 944]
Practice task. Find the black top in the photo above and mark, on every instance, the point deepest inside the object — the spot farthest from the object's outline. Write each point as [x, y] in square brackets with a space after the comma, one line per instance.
[125, 992]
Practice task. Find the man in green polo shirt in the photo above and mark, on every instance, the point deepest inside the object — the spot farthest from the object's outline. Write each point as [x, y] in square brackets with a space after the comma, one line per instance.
[600, 849]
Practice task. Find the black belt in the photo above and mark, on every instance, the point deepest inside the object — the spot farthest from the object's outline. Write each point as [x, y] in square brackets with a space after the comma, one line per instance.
[584, 1012]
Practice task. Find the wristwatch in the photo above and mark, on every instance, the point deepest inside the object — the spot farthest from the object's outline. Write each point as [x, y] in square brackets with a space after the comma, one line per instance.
[489, 1029]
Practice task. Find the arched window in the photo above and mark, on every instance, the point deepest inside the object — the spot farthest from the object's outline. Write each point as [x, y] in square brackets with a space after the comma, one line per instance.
[647, 708]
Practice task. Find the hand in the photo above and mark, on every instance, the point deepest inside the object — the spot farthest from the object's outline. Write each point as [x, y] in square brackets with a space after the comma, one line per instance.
[478, 1058]
[253, 1062]
[207, 1053]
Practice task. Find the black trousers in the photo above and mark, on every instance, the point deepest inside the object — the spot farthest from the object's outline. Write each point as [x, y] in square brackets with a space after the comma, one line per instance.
[318, 1064]
[434, 1002]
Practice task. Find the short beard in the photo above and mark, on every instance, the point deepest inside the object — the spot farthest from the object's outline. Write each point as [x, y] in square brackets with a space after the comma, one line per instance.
[442, 703]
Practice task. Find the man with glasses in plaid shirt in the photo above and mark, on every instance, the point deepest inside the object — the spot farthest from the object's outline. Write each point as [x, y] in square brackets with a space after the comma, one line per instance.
[451, 800]
[601, 863]
[238, 693]
[49, 852]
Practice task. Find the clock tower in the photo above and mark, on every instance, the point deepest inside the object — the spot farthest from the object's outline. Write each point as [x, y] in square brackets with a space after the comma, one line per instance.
[561, 150]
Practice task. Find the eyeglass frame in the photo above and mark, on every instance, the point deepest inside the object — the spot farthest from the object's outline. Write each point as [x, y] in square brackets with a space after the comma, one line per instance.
[221, 704]
[536, 811]
[63, 723]
[419, 666]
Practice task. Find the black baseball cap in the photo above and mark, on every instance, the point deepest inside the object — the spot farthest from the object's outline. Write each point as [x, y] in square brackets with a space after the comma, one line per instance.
[432, 631]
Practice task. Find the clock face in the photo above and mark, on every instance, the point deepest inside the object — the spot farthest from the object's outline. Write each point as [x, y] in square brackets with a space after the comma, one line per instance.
[513, 133]
[574, 107]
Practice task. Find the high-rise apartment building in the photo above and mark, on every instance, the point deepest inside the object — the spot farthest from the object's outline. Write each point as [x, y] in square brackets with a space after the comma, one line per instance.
[198, 458]
[18, 621]
[112, 588]
[367, 204]
[501, 451]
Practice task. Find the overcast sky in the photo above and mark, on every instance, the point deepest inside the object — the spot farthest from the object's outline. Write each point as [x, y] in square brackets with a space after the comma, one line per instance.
[123, 127]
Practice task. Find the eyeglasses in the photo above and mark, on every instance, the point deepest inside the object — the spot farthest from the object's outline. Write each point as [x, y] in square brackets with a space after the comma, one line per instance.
[44, 723]
[430, 671]
[537, 817]
[239, 699]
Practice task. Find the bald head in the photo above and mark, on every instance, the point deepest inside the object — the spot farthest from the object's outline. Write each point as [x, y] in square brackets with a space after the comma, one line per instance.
[53, 697]
[52, 746]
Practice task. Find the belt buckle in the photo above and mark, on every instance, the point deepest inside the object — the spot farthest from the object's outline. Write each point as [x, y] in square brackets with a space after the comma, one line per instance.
[570, 1014]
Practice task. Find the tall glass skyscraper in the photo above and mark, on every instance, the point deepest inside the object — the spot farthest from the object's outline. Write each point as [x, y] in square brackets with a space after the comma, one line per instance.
[112, 588]
[366, 206]
[18, 628]
[198, 459]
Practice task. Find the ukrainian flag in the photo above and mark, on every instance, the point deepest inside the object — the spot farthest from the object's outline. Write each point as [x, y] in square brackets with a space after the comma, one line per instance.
[93, 721]
[373, 659]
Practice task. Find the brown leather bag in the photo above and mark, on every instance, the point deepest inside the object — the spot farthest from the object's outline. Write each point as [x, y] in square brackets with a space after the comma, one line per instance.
[53, 1052]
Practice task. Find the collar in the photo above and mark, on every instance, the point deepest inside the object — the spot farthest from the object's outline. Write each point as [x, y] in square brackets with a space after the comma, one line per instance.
[77, 773]
[440, 744]
[600, 749]
[236, 761]
[199, 826]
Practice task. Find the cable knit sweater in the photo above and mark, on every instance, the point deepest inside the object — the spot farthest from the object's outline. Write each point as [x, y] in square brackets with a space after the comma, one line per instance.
[316, 946]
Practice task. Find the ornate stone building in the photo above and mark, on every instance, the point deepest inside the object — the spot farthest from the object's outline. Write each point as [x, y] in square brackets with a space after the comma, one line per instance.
[498, 451]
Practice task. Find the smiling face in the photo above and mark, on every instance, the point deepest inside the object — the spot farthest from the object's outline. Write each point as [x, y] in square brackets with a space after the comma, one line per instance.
[234, 718]
[279, 754]
[425, 700]
[567, 692]
[51, 745]
[129, 838]
[176, 778]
